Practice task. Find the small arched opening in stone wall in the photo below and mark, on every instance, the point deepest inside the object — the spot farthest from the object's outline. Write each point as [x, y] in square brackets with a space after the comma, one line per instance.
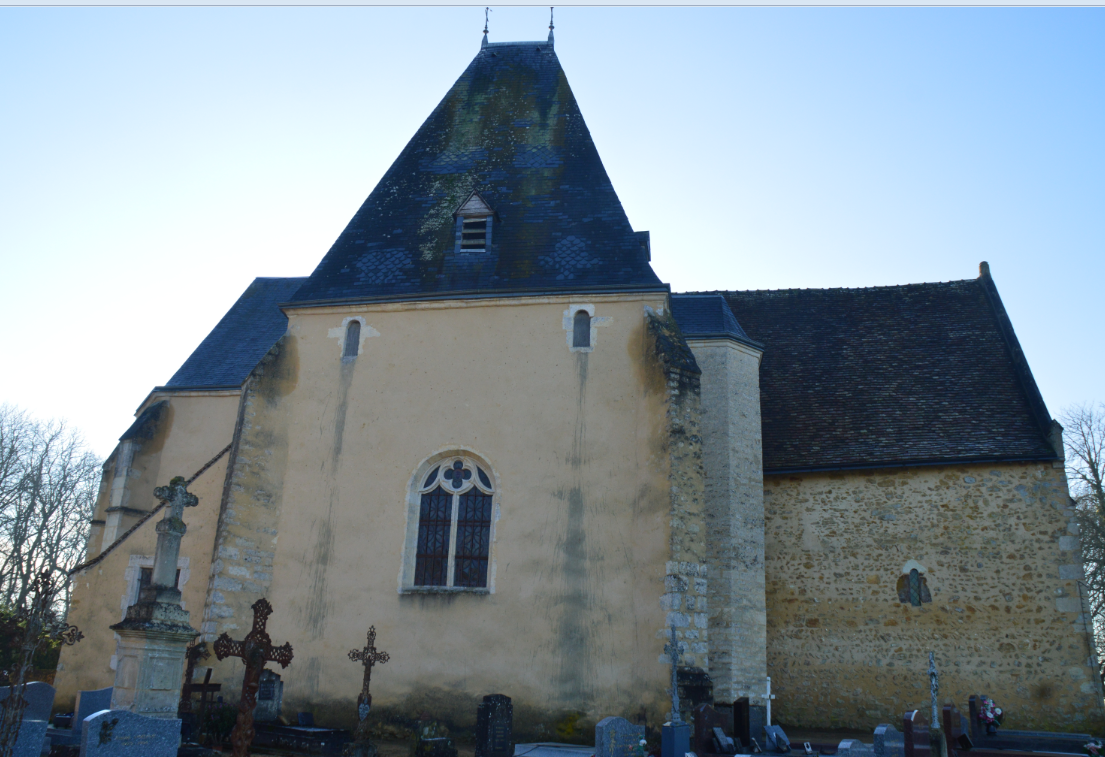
[913, 586]
[352, 339]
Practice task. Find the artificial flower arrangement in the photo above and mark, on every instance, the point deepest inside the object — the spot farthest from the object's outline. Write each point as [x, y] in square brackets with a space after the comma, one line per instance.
[1093, 749]
[990, 714]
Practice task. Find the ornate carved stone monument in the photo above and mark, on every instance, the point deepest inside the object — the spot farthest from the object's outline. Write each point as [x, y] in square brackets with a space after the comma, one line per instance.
[156, 632]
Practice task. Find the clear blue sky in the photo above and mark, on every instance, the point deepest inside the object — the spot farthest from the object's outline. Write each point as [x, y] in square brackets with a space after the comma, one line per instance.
[154, 160]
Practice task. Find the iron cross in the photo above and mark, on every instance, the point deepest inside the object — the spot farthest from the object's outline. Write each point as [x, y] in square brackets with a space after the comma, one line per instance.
[255, 649]
[368, 657]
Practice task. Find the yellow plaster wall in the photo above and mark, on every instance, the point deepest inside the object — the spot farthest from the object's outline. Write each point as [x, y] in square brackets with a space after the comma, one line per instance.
[193, 432]
[1002, 557]
[578, 443]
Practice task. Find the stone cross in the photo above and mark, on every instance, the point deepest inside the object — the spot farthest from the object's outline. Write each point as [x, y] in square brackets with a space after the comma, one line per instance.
[368, 657]
[170, 529]
[768, 696]
[673, 649]
[255, 649]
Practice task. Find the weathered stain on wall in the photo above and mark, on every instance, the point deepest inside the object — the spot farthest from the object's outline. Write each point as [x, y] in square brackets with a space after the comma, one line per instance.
[1001, 555]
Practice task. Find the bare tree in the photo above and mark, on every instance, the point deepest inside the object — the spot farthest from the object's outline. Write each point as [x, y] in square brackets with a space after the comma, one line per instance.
[1084, 438]
[48, 485]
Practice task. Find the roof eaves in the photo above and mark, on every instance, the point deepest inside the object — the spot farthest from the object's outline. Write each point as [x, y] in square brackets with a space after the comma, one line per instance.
[931, 463]
[711, 336]
[475, 294]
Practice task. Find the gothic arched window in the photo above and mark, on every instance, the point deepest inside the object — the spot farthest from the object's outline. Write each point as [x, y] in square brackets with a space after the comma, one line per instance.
[581, 329]
[352, 339]
[455, 508]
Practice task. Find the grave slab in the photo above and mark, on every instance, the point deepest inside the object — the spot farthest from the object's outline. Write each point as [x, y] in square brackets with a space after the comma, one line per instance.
[32, 735]
[617, 737]
[553, 749]
[706, 719]
[495, 727]
[121, 733]
[39, 697]
[270, 696]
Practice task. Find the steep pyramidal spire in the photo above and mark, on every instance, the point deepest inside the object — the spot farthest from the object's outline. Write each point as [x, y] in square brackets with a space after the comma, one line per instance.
[509, 130]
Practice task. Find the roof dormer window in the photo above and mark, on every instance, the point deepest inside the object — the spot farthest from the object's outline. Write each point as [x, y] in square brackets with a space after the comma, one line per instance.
[475, 219]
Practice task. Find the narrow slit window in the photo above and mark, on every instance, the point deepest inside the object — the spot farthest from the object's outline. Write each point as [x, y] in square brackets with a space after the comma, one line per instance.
[352, 339]
[473, 235]
[581, 329]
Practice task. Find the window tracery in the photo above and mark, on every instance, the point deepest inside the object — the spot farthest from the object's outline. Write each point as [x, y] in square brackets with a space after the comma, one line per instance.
[455, 513]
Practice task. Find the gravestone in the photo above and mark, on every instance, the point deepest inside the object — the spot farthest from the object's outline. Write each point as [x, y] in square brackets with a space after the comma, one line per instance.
[888, 742]
[306, 719]
[88, 703]
[853, 748]
[39, 697]
[91, 702]
[775, 740]
[32, 735]
[433, 740]
[270, 695]
[495, 727]
[121, 733]
[706, 719]
[617, 737]
[748, 721]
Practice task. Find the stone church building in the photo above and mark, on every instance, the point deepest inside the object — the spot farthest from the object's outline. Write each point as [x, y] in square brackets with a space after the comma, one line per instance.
[484, 426]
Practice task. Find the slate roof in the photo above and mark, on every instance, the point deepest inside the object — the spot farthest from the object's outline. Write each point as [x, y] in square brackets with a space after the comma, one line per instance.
[238, 342]
[708, 316]
[510, 129]
[903, 375]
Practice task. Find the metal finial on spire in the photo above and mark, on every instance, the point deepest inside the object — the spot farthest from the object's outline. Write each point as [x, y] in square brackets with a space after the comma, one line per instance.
[550, 25]
[485, 12]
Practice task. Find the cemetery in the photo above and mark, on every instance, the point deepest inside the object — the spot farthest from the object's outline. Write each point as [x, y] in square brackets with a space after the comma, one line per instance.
[152, 710]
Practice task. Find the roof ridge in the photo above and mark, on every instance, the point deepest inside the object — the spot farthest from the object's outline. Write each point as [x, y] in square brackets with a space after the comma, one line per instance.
[724, 292]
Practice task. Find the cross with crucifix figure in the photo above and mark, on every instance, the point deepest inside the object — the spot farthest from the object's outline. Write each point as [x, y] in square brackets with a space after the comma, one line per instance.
[255, 649]
[368, 657]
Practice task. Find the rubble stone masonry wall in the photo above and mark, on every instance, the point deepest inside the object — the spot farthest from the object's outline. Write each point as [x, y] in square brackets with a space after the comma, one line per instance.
[998, 548]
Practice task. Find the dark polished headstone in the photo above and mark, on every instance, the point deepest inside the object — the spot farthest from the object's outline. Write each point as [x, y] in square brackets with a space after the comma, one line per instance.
[748, 721]
[495, 727]
[706, 719]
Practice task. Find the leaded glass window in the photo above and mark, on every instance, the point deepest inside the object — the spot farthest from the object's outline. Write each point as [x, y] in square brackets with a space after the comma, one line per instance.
[454, 525]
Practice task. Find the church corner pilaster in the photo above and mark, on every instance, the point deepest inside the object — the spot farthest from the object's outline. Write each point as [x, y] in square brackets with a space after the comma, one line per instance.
[687, 576]
[244, 545]
[734, 516]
